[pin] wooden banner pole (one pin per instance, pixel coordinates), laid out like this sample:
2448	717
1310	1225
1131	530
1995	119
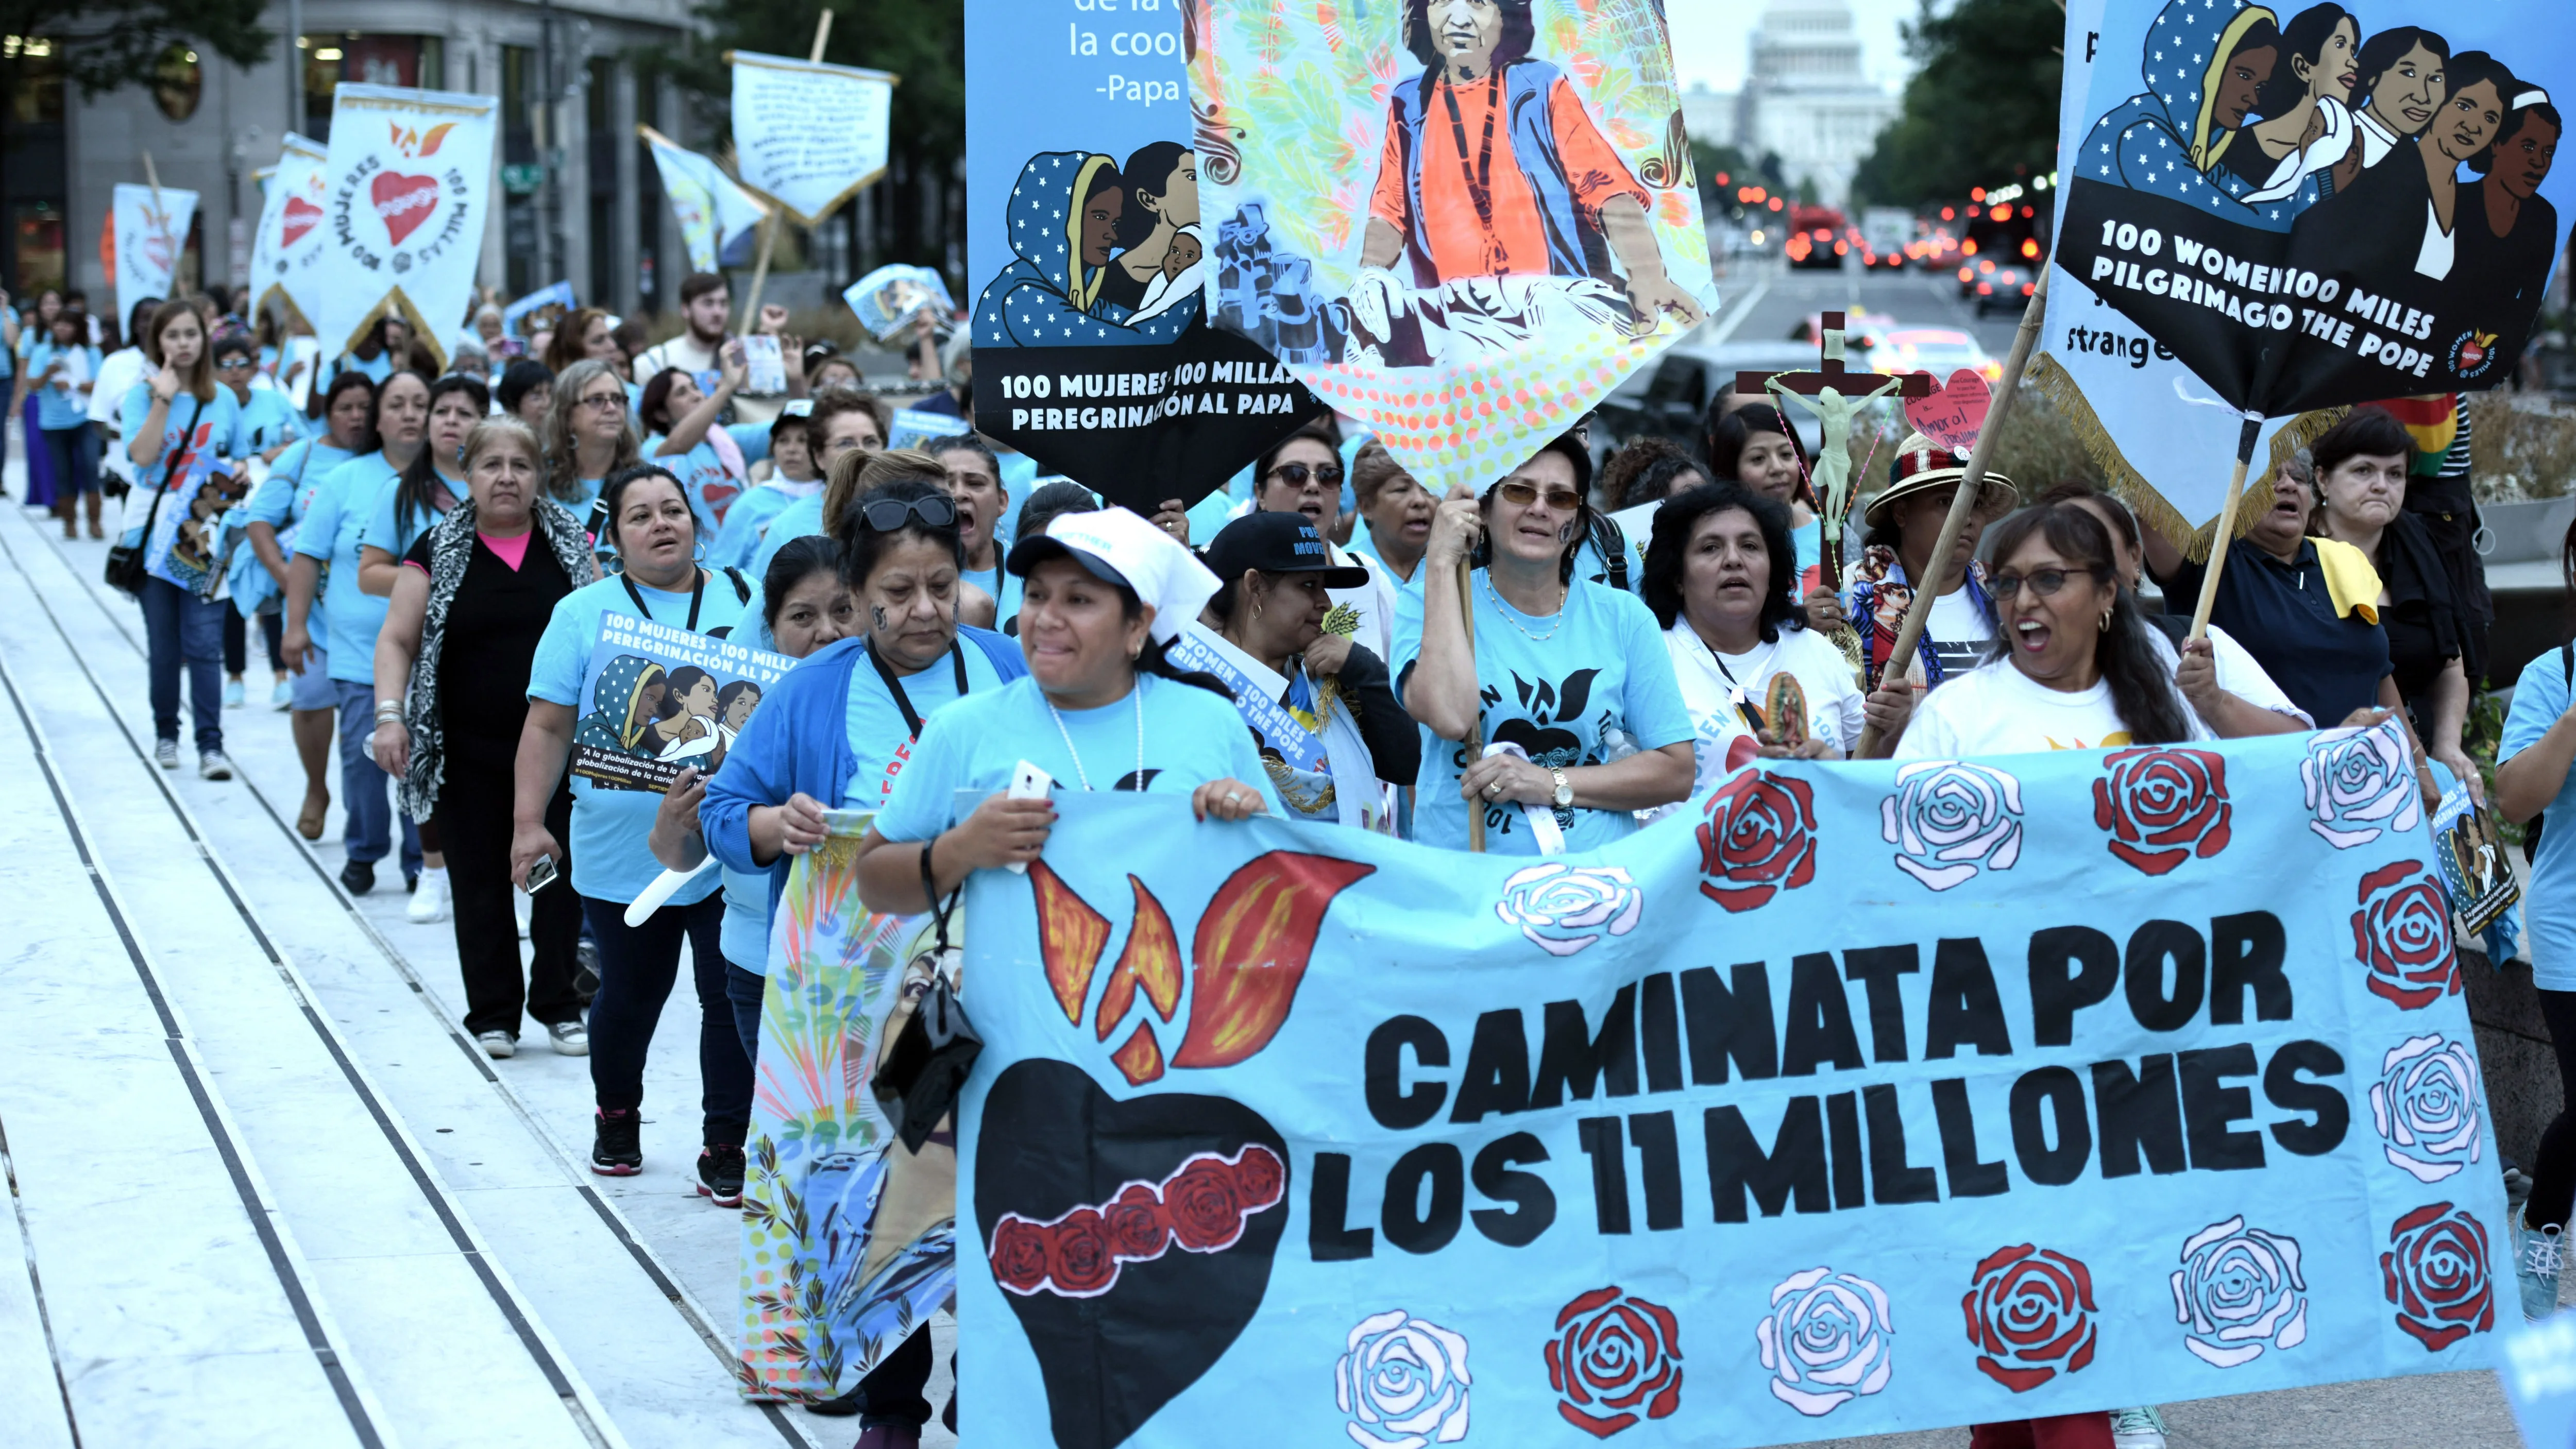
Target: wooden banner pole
1964	503
152	175
2226	529
1475	730
769	223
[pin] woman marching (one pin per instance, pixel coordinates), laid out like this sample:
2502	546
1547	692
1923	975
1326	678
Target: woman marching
589	433
276	510
1562	680
471	601
329	540
654	534
1904	523
1332	736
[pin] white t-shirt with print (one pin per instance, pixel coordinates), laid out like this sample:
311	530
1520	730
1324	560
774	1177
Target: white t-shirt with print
1959	632
1834	699
1995	709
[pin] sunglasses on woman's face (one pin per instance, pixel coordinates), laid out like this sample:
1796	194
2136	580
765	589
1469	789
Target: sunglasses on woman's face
885	515
1521	495
2043	582
1326	476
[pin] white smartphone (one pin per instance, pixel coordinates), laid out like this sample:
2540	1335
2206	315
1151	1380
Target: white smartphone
1028	782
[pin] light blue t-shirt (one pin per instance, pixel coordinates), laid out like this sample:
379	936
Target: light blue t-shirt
2549	902
334	525
1191	737
281	500
747	523
1555	686
1588	564
795	521
610	861
385	525
57	406
712	488
1000	582
380	367
1807	541
218	429
268	419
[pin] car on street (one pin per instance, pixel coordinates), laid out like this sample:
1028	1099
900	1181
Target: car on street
1939	351
2007	288
1671	398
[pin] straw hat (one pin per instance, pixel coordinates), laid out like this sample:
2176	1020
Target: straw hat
1922	465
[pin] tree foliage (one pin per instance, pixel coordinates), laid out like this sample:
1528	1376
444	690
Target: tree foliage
922	41
102	45
1981	109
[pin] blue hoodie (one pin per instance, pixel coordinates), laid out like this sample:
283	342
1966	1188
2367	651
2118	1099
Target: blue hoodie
1046	297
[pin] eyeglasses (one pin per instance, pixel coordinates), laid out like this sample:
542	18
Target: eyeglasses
1521	495
1296	475
228	364
2043	582
602	402
885	515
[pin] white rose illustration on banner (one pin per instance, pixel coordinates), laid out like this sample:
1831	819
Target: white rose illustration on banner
1827	1340
2360	785
2239	1292
1948	818
1403	1382
2425	1104
1564	908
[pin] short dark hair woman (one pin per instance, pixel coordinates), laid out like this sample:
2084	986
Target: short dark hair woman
1333	738
654	534
1716	582
471	600
1555	667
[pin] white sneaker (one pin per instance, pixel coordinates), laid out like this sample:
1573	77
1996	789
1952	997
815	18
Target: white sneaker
429	899
520	905
2138	1428
213	766
497	1045
165	753
571	1038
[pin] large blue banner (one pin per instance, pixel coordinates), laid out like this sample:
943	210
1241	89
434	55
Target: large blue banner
1860	1097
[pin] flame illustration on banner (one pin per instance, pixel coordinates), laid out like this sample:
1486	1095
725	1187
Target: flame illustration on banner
1247	958
417	144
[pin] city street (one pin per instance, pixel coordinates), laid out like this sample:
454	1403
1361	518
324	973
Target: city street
1763	301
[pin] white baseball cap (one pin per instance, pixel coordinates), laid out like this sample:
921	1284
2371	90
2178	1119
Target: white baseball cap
1119	547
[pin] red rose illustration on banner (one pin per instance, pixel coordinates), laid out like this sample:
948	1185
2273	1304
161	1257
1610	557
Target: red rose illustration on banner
2402	933
1258	1178
2162	806
1201	1205
1020	1255
1137	1231
2435	1271
1759	839
2030	1316
1614	1359
1080	1257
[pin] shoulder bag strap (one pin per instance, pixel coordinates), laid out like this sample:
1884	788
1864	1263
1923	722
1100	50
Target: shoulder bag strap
169	468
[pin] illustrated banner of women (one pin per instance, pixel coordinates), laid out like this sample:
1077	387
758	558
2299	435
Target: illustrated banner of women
808	135
1087	257
148	228
410	176
1461	221
848	1237
289	240
658	697
2305	208
1858	1098
714	212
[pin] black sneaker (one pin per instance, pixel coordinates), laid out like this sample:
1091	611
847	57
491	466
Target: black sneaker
357	877
720	1170
617	1145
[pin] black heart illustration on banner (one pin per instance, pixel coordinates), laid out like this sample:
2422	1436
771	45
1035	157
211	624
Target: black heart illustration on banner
1111	1361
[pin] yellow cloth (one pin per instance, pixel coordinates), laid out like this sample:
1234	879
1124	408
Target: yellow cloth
2350	580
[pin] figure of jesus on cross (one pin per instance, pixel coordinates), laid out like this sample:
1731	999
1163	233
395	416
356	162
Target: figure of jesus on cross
1837	394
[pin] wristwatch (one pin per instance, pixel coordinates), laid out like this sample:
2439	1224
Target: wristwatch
1564	795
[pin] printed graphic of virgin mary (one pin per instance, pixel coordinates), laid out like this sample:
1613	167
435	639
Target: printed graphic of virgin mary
2205	67
1065	217
623	706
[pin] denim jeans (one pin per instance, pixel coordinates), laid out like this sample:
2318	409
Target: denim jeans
638	966
743	991
180	628
365	790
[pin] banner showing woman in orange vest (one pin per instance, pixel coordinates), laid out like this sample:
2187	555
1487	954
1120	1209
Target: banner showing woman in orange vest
1461	220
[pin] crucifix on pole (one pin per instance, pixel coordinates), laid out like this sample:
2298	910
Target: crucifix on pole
1836	393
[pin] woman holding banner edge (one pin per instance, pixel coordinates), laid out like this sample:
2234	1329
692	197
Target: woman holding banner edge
1549	743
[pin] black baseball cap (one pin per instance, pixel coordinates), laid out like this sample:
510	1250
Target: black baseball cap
1278	543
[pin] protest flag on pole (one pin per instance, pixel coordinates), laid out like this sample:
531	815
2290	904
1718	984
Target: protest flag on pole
714	210
147	230
409	174
290	236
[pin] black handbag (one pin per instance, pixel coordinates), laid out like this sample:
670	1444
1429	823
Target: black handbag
125	571
926	1068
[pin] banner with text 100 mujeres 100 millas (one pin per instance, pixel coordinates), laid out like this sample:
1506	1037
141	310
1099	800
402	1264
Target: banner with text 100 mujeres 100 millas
1857	1098
410	179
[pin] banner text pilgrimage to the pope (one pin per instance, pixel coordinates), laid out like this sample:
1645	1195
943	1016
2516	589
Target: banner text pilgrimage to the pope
1864	1097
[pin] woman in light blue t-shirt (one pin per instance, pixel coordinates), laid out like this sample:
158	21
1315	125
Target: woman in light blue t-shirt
655	536
1565	681
712	460
2531	789
261	572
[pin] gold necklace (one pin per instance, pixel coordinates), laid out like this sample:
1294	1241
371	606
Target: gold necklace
1507	611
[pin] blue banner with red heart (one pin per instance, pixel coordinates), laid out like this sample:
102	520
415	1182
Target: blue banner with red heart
1856	1098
